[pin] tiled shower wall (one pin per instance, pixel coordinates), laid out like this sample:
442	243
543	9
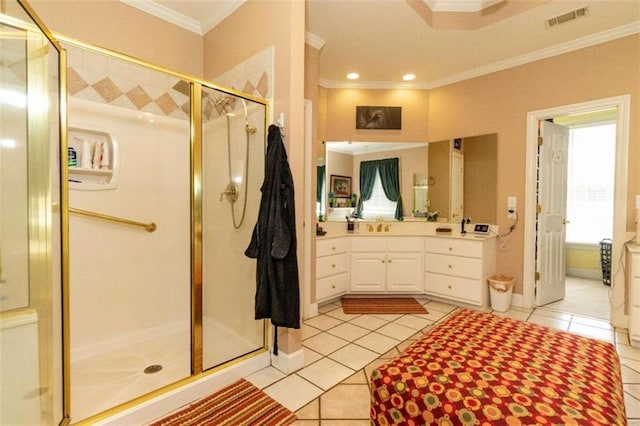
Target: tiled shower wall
100	78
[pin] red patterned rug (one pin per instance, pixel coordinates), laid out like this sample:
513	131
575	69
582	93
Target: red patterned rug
382	305
238	404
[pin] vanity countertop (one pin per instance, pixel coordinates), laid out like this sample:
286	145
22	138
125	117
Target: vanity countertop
401	229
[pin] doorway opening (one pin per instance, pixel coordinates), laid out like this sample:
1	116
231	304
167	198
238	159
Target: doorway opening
589	213
532	288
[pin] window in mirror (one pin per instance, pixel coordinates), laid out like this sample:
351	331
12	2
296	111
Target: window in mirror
378	206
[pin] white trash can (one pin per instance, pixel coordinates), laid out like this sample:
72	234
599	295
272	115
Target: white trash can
500	289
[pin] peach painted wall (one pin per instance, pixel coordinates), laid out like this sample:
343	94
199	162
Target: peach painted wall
499	103
341	114
116	26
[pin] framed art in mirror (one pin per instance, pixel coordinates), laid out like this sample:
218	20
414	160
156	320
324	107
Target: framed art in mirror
340	186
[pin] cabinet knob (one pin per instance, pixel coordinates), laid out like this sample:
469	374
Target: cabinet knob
333	248
389	261
450	248
450	287
382	260
333	265
333	286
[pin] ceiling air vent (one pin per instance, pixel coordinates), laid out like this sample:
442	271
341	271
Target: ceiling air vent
566	17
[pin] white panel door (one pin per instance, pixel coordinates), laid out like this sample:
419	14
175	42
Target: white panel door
552	199
457	186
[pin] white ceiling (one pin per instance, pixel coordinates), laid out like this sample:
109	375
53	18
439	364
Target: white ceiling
384	39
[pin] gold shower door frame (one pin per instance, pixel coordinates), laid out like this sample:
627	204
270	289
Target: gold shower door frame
43	134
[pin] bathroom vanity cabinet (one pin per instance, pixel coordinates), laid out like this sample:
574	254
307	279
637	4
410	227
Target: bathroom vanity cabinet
332	266
458	269
634	294
386	264
450	268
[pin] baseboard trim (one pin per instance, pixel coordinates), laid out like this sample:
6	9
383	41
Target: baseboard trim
288	363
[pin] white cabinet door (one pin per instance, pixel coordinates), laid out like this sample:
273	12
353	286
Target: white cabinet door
368	271
404	272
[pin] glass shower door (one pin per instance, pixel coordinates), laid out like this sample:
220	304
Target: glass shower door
233	149
30	255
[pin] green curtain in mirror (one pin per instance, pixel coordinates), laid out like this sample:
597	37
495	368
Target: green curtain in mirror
390	178
321	172
368	170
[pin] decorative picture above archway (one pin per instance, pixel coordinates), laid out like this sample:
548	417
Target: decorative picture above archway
378	117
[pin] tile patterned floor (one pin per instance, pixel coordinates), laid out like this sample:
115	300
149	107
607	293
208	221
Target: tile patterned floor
341	350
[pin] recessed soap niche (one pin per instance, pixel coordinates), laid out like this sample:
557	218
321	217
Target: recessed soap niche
93	158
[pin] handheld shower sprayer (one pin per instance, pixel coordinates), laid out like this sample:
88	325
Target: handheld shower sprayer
247	127
232	190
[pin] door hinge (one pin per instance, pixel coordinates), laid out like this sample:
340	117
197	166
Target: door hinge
538	208
540	140
537	276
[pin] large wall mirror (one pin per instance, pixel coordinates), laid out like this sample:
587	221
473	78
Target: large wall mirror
444	180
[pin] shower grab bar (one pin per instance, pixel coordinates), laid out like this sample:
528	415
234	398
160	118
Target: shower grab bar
149	227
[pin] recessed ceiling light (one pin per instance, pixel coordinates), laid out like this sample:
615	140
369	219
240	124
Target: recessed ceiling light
408	77
353	76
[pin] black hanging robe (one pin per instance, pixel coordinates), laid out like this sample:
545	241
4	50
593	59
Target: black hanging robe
273	242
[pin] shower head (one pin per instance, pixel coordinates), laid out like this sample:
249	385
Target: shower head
224	104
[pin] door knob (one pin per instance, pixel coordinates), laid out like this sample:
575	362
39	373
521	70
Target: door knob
565	221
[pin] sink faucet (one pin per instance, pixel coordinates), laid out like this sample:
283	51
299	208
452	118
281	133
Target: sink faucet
464	220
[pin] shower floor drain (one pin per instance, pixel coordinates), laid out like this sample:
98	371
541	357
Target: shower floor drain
152	369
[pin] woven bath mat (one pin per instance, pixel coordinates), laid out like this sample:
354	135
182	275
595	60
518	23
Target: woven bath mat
382	305
238	404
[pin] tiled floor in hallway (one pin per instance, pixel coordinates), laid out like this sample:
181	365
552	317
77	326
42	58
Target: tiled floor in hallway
341	350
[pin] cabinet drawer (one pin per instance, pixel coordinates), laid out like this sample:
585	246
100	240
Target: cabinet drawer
368	244
330	265
332	286
404	244
453	246
453	265
470	291
331	246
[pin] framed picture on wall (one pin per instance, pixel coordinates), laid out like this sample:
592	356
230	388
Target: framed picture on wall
340	186
378	117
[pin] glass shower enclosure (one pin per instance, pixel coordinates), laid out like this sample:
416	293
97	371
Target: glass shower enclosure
128	195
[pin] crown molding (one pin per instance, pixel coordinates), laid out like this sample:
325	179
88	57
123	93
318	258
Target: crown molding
166	14
224	9
332	84
313	40
580	43
460	5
